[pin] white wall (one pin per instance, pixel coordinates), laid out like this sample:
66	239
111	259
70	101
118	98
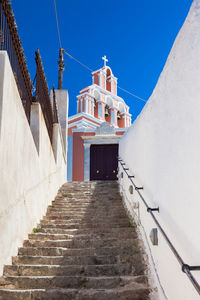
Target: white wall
62	100
30	171
162	150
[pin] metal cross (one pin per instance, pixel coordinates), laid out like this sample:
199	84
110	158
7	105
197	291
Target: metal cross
105	60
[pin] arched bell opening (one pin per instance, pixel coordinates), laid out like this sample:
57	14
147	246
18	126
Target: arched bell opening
108	80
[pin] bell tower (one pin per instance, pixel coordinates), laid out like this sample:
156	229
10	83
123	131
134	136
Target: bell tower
100	100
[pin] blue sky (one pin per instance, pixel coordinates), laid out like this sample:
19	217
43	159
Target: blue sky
135	35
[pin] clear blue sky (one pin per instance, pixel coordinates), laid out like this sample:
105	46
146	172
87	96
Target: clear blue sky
135	35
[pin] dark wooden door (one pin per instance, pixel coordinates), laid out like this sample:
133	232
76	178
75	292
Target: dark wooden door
103	162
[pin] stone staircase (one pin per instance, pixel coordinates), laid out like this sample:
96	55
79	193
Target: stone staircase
85	248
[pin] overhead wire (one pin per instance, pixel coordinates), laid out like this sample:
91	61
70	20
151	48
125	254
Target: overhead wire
85	66
78	61
82	64
132	94
57	24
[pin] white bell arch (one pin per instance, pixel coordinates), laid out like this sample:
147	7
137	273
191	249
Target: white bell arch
109	101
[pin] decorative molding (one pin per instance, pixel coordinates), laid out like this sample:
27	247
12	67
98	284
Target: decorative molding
89	117
95	140
105	129
104	91
84	129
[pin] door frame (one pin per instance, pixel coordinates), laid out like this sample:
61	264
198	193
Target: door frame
91	140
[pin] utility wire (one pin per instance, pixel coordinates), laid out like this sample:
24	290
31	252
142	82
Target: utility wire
57	24
83	65
131	94
78	61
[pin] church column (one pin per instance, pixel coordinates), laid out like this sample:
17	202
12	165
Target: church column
93	108
104	80
113	119
87	162
90	109
81	109
77	106
100	111
111	84
86	104
100	81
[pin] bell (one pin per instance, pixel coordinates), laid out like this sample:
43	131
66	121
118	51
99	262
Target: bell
106	112
118	116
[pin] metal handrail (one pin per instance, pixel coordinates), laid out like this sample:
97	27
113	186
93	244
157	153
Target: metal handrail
185	267
10	42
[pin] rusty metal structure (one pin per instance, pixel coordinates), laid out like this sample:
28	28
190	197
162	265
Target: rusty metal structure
42	94
55	108
61	68
10	42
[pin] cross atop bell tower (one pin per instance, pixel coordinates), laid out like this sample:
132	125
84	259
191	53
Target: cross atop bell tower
105	60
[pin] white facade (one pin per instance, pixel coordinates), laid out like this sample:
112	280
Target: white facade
31	169
162	150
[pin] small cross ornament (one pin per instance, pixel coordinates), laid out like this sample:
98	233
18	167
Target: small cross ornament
105	60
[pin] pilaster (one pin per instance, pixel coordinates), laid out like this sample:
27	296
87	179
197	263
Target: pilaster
87	162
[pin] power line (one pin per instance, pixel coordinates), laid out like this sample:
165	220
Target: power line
78	61
57	24
131	94
83	65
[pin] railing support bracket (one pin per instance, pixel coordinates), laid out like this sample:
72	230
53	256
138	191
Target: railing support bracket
139	188
186	267
153	209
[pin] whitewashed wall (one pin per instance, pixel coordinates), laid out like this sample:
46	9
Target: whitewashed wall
30	170
162	149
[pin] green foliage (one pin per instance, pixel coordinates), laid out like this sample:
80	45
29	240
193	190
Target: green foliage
35	230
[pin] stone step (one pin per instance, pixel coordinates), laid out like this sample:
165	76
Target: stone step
81	209
69	225
87	212
73	243
90	215
57	236
91	196
77	282
89	205
87	218
84	207
90	231
71	270
137	291
114	197
64	260
60	251
85	248
75	260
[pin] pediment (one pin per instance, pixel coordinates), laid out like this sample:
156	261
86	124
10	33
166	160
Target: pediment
105	129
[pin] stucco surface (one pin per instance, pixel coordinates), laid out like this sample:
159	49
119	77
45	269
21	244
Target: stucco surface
162	151
30	175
